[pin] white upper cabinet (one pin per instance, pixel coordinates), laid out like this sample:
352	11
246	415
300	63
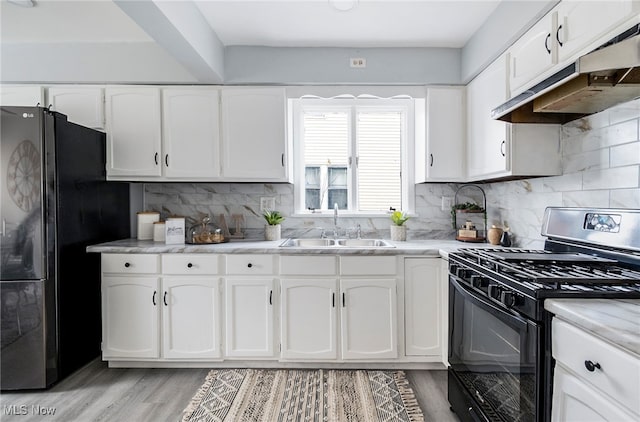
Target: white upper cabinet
533	54
497	149
190	133
581	23
254	139
82	105
22	95
486	143
133	132
441	156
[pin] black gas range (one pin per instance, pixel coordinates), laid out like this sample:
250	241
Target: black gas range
501	367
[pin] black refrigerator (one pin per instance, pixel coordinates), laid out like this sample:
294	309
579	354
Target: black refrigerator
54	202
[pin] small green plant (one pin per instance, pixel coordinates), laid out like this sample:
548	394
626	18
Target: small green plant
399	217
469	206
273	218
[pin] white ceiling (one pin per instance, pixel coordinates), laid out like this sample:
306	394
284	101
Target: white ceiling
293	23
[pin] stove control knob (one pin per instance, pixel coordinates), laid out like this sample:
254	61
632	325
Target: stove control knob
494	291
463	273
479	281
508	298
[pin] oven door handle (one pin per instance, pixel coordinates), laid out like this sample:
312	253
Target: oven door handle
507	317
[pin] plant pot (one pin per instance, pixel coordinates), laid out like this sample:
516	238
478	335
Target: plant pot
272	232
398	233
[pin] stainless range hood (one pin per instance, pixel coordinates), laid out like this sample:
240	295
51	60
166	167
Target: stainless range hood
601	79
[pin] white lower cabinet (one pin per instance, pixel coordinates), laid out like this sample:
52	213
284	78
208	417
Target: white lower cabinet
199	307
308	321
190	317
368	319
594	380
424	302
130	317
249	304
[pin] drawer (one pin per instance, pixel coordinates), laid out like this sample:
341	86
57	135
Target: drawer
126	263
308	265
619	370
368	265
250	264
184	264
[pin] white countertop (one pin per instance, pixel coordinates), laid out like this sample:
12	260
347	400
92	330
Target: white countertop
616	320
416	247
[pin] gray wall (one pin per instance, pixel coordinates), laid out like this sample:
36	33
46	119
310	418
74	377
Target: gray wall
601	168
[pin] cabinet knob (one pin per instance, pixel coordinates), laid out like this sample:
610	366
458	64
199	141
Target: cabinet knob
189	265
127	265
249	265
591	366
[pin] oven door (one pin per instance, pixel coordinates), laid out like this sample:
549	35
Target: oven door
494	358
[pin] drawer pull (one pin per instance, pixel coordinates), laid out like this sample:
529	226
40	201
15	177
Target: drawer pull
127	265
591	366
249	265
189	265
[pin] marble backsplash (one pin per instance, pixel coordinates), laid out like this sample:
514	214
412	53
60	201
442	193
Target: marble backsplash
601	168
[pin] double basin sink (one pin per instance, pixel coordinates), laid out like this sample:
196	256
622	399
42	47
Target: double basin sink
336	243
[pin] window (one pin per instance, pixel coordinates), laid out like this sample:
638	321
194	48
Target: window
352	152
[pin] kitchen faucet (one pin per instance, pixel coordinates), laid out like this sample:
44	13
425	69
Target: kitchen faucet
335	214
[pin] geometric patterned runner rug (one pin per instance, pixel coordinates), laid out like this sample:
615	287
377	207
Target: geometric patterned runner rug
277	395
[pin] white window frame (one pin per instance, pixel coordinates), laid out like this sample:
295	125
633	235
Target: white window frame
407	148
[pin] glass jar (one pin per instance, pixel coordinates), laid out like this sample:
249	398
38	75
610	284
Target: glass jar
205	232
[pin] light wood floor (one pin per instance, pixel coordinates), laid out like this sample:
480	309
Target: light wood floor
100	394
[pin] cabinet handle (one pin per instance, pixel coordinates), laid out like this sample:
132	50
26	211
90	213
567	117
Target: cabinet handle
558	35
164	299
591	366
127	265
431	157
166	160
546	43
333	300
502	149
249	265
189	265
270	297
282	159
343	300
153	298
155	158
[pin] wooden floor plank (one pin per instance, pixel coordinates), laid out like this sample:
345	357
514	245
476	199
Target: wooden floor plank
97	393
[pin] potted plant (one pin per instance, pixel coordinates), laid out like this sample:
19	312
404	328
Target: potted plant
272	228
398	229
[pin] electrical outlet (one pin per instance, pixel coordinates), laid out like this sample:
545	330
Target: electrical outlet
358	62
267	203
447	203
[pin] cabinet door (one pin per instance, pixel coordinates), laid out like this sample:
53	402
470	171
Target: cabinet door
368	319
445	135
488	145
254	141
191	317
249	317
82	105
23	96
580	23
533	54
575	401
133	132
130	317
423	307
309	319
190	130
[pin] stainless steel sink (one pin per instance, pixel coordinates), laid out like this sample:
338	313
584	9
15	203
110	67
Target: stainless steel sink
308	243
336	243
366	243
